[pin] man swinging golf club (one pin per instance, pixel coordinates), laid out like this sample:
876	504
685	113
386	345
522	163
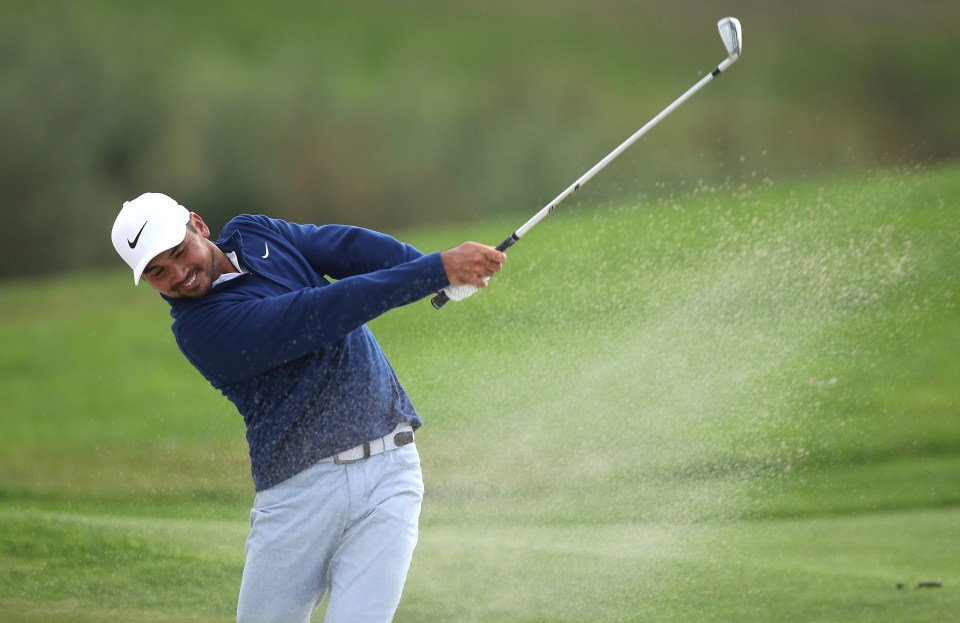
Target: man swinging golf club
273	315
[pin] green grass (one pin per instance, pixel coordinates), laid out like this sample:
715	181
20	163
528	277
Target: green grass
740	404
829	569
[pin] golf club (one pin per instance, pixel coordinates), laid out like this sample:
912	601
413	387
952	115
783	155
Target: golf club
732	36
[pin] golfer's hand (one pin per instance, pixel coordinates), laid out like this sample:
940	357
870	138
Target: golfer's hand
472	264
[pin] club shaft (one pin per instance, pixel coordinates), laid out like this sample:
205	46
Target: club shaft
441	298
550	207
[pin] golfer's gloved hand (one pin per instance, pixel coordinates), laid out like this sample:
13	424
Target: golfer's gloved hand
469	268
458	293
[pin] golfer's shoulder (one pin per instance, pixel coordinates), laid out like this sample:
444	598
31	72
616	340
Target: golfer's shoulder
248	222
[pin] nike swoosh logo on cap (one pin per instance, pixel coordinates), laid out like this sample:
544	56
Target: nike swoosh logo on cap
133	243
267	251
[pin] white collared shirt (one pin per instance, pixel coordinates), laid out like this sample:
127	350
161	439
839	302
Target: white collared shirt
225	277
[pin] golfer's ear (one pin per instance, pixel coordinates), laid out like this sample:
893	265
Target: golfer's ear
199	224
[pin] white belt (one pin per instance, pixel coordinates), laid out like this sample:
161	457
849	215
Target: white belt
401	436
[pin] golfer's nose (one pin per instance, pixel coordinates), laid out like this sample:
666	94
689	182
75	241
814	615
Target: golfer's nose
180	272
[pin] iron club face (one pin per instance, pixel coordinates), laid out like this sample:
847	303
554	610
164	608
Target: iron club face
732	36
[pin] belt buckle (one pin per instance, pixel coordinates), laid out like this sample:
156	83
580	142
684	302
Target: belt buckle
366	455
403	438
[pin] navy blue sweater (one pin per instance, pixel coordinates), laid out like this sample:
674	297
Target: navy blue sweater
290	348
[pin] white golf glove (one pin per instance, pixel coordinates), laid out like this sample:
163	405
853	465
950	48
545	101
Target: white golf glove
458	293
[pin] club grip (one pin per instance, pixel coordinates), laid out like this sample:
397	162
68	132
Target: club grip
439	300
508	242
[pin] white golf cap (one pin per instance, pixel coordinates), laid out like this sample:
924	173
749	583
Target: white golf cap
146	227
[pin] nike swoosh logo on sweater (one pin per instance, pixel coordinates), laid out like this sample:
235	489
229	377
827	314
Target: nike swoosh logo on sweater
267	251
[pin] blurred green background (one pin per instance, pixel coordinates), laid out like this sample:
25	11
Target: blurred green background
388	114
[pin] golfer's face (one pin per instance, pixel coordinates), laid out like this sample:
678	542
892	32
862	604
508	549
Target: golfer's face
186	270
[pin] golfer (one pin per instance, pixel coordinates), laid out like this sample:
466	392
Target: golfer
273	315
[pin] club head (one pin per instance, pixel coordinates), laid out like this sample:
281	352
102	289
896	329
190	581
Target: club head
732	36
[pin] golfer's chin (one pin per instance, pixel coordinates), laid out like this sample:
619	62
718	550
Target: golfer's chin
190	294
200	287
